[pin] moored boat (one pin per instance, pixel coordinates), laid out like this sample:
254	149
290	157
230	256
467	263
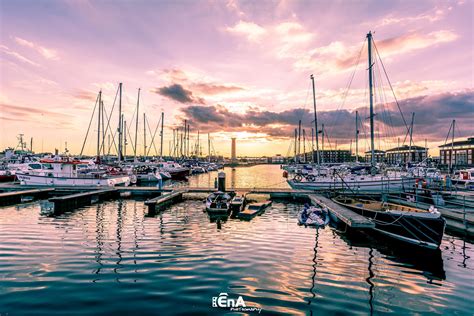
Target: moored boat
219	202
412	225
464	178
375	183
237	204
65	173
253	209
313	216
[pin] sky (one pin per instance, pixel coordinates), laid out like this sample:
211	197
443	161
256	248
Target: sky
235	69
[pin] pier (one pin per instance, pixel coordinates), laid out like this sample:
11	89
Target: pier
161	202
459	213
350	218
72	201
15	197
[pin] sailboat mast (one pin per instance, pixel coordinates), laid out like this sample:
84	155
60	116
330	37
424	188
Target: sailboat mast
98	125
144	135
299	141
322	139
161	134
120	134
296	135
315	121
411	137
103	128
209	147
312	145
371	100
124	124
136	126
452	148
357	137
304	145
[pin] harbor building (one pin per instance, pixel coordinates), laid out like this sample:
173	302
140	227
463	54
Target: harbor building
277	159
379	155
404	154
458	153
331	156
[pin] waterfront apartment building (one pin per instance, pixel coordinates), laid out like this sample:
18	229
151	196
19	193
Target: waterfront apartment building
404	154
459	153
379	155
332	156
276	159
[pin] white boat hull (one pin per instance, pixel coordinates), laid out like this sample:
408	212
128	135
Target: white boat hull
378	185
28	179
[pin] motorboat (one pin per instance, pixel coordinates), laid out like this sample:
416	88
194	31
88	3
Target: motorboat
464	178
412	225
237	204
64	172
313	216
6	174
253	209
219	202
147	174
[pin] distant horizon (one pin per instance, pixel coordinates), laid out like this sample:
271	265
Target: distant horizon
235	69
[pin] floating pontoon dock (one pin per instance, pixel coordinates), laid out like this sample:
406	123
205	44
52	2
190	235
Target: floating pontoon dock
9	198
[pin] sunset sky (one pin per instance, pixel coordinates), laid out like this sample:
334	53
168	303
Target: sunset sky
234	69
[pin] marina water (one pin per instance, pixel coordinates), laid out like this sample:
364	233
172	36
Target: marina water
111	258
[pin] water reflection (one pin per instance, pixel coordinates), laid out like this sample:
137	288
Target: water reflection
313	278
99	222
181	257
429	262
369	281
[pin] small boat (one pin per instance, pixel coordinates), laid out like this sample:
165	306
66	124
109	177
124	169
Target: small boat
198	170
165	175
147	174
6	175
412	225
219	202
464	179
253	209
313	216
237	204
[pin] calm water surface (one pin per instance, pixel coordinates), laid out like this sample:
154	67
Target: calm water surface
259	176
112	258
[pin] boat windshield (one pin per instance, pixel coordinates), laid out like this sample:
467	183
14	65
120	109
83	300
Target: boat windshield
254	207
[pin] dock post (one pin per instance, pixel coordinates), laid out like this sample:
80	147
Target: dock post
221	181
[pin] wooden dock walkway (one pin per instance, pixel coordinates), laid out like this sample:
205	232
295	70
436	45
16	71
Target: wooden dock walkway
161	202
351	218
15	197
72	201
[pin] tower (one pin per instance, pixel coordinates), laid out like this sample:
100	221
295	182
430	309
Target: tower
233	151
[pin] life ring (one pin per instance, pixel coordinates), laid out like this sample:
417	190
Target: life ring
310	178
298	178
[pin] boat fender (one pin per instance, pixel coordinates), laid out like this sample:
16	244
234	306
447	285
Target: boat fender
285	174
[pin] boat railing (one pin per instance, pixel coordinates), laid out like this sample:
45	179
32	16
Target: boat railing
462	205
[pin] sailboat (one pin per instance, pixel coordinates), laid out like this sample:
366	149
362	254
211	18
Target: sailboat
387	181
416	226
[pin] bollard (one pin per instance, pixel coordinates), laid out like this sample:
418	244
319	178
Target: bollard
221	181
